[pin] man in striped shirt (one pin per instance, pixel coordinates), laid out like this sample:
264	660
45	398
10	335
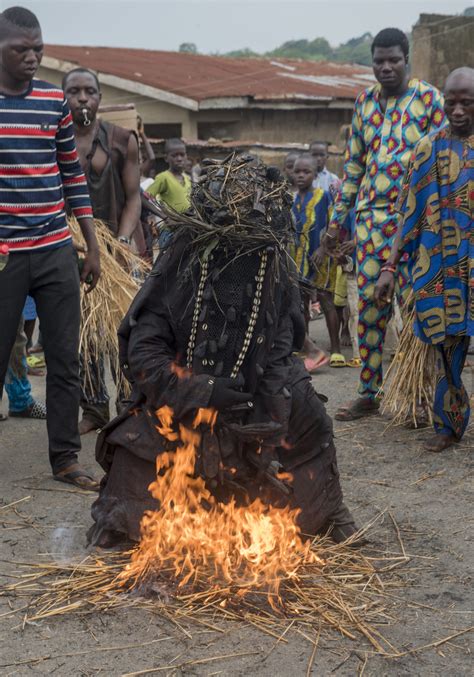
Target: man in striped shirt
39	170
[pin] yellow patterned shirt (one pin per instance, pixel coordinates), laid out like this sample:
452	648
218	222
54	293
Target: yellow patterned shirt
377	155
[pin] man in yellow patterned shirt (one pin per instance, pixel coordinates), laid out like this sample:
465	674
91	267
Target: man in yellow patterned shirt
389	119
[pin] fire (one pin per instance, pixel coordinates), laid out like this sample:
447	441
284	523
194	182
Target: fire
206	543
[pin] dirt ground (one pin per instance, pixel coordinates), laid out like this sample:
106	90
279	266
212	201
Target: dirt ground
384	472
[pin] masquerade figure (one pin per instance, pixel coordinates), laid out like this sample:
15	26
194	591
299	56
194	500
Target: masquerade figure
215	326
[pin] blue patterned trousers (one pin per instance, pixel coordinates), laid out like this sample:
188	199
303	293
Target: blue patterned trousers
451	403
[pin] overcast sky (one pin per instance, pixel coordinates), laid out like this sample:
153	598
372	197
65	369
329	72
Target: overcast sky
222	25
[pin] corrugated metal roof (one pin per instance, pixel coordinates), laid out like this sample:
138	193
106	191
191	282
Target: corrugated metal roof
200	77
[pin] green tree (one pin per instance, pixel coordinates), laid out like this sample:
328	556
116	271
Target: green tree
242	53
188	48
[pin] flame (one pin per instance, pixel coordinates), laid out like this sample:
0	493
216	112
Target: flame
204	542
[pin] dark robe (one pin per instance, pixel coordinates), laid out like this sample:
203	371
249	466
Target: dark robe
285	416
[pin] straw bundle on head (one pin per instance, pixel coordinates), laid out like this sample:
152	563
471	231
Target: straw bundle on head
239	201
410	377
105	307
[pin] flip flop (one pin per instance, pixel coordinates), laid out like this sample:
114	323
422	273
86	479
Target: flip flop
35	362
73	476
337	360
356	363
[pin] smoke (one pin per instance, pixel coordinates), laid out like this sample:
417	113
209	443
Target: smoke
66	543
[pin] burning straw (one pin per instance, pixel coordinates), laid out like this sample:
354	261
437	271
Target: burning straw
200	560
105	307
410	377
339	589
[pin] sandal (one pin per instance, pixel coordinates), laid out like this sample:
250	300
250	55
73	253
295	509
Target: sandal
35	362
337	360
74	474
36	410
364	406
355	362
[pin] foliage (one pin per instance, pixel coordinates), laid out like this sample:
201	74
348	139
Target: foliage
316	49
242	53
188	48
355	50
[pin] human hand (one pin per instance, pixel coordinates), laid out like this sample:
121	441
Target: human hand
330	239
384	289
318	256
90	272
347	248
226	393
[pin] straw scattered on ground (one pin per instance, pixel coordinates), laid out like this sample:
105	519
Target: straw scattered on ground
347	594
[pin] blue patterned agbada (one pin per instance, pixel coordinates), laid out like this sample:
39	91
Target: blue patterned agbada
438	235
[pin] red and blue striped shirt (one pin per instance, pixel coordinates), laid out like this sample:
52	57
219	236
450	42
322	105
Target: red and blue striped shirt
39	169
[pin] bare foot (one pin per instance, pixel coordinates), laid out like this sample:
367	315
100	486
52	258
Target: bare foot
34	371
439	443
87	426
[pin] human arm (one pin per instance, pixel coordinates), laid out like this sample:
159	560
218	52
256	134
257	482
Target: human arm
77	195
354	171
159	186
149	153
151	365
90	272
130	216
385	285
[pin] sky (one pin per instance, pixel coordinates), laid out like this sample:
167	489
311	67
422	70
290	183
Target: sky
217	26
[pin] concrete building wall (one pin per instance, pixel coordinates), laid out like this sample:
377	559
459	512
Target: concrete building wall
440	44
272	125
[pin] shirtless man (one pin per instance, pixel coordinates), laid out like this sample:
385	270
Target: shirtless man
110	160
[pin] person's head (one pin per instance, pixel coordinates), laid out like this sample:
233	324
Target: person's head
390	59
82	90
175	155
459	100
304	171
319	151
289	164
21	45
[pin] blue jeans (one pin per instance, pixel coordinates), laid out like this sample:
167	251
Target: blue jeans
17	384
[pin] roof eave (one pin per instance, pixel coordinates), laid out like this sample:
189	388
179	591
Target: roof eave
128	85
285	102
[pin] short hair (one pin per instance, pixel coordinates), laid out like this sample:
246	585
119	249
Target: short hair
85	71
18	17
291	154
307	156
391	37
173	143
